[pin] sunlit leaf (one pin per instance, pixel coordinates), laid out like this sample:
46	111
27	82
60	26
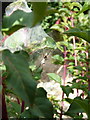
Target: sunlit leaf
85	7
18	17
49	43
55	77
22	18
57	59
24	37
77	4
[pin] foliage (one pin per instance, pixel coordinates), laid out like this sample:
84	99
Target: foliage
20	75
79	33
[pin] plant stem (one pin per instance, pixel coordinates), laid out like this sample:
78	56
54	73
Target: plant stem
0	98
74	46
18	101
22	106
82	74
75	53
74	42
88	70
4	108
64	80
88	76
88	87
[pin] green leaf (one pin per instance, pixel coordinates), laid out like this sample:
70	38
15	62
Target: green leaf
56	27
80	48
67	90
80	68
57	59
16	107
71	64
26	114
42	106
49	43
19	76
71	57
78	106
22	18
80	86
41	93
32	67
77	4
51	11
60	11
37	73
12	29
79	33
39	9
18	17
85	7
68	100
65	43
65	10
54	77
80	77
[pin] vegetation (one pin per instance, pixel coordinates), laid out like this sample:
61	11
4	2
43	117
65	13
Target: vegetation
69	24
